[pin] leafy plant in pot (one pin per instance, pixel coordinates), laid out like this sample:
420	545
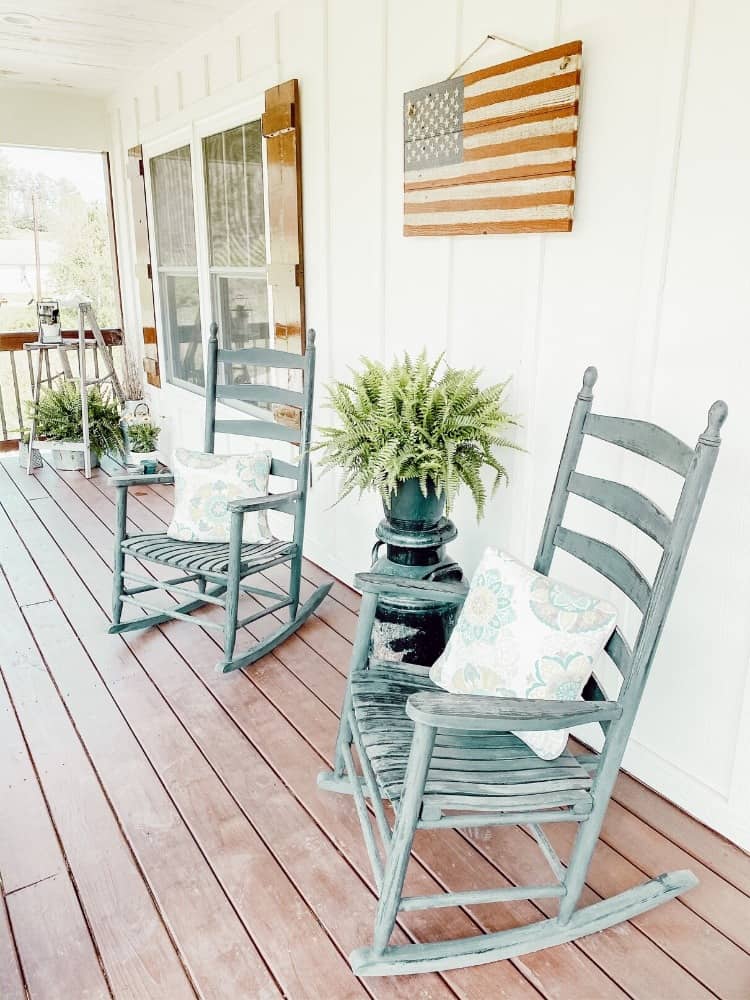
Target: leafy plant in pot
142	436
417	432
58	416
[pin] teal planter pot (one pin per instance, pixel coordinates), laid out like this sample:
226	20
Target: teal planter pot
410	510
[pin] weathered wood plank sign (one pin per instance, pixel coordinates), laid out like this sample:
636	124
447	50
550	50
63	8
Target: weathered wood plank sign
494	151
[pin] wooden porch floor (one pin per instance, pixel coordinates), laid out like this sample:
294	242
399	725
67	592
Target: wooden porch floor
162	834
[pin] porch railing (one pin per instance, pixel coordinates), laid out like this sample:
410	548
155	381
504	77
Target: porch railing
16	376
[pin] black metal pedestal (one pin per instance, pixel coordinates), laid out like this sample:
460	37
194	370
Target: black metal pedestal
408	630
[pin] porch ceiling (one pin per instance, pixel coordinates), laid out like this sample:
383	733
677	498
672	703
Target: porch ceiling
90	44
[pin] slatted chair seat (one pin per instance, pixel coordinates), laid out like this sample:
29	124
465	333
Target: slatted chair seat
495	772
208	558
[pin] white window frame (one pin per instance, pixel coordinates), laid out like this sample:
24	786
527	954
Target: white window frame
172	140
192	136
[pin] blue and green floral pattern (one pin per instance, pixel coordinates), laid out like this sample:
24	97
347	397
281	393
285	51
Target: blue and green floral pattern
522	635
206	484
487	608
568	610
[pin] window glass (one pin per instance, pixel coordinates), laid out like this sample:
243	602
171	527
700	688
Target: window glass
234	194
235	208
174	225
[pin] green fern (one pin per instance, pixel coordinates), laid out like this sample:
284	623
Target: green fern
410	422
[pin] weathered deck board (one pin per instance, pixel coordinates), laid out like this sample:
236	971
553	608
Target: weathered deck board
53	941
244	750
11	978
135	949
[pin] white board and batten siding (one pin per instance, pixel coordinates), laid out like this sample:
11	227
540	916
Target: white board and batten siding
650	286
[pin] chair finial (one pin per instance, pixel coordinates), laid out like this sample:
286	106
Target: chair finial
589	381
311	337
214	331
717	414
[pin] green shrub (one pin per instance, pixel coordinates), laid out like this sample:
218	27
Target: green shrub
58	416
407	422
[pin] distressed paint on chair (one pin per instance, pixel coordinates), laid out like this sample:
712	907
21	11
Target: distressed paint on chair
451	761
227	565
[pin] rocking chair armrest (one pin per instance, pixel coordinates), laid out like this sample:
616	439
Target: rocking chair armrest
267	502
156	479
487	713
381	583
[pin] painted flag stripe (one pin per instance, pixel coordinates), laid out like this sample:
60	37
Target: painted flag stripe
541	71
532	165
558	52
522	105
466	205
490	228
546	86
526	130
492	215
533	144
526	118
500	188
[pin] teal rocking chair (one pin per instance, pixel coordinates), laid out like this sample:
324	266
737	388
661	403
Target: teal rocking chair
451	761
219	570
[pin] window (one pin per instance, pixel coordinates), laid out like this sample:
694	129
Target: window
235	210
227	218
55	239
177	265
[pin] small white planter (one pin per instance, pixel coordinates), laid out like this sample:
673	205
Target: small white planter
70	456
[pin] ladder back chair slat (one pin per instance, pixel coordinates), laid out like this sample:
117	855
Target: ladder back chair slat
284	469
608	561
247	393
623	501
619	652
262	357
265	429
645	439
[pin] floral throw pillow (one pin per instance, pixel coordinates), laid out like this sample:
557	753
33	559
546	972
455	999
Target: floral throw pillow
204	486
523	635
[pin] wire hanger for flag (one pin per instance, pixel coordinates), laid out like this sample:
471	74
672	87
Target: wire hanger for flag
488	38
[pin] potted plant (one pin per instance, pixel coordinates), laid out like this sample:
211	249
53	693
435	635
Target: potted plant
142	436
58	416
416	432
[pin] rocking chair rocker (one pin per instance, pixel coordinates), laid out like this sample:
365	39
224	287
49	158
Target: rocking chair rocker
226	566
451	761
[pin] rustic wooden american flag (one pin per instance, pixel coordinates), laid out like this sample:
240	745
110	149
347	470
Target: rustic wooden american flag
494	151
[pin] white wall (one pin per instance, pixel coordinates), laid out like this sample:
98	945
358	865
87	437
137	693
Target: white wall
56	118
650	286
